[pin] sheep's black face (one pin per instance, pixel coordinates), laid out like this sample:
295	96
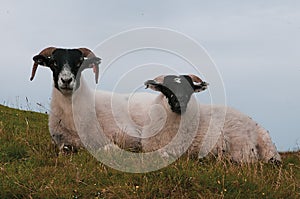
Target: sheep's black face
177	89
66	66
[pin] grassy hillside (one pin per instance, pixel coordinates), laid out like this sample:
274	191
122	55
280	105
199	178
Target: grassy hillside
31	168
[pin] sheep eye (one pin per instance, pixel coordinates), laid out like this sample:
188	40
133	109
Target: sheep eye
54	63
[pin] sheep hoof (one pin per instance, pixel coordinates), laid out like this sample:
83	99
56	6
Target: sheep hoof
68	149
275	162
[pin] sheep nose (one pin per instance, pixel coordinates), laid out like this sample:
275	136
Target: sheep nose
66	80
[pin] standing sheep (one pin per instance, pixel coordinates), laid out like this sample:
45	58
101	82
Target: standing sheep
240	138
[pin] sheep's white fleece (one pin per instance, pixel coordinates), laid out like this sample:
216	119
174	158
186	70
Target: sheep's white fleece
93	116
240	138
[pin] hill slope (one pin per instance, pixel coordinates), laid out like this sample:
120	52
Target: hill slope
31	168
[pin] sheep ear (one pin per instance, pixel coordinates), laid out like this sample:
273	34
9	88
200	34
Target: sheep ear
200	87
153	85
199	84
93	62
41	60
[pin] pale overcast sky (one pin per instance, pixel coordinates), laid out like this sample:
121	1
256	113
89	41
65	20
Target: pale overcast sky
255	45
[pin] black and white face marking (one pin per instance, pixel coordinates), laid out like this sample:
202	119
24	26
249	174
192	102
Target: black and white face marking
66	80
178	90
65	65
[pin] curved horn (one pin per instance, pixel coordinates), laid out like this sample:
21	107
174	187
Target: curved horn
89	54
47	52
196	78
160	79
200	84
153	83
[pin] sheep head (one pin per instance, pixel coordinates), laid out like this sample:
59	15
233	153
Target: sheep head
177	89
66	66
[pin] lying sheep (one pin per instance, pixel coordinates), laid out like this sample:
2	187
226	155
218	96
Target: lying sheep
73	103
240	138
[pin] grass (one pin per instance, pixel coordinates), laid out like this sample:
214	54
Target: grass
30	167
